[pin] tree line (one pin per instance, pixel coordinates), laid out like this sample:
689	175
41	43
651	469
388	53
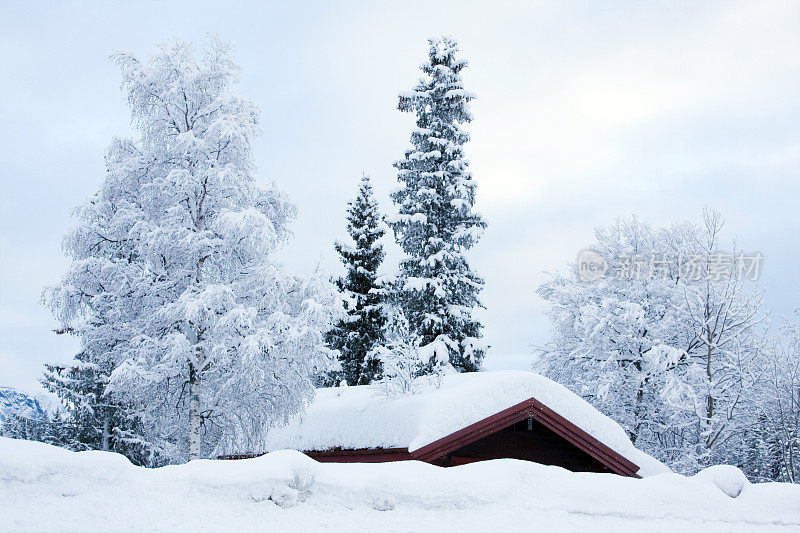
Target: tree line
674	343
194	339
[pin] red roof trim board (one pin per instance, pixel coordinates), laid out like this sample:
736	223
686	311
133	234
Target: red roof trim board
541	413
473	432
530	408
560	425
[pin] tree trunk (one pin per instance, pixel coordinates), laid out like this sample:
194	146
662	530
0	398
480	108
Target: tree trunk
106	432
194	415
638	409
637	414
710	398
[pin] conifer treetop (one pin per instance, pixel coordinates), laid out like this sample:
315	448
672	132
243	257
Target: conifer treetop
356	335
436	223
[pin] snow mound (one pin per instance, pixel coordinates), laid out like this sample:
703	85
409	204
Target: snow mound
284	496
726	478
364	417
43	488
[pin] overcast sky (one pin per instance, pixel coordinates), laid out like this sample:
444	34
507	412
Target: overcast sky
586	112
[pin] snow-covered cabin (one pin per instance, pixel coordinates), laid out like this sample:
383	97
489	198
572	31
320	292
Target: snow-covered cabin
461	419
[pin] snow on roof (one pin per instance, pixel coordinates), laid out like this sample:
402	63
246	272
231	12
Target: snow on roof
364	417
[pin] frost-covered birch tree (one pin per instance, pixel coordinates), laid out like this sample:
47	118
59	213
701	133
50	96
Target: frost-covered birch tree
664	353
358	333
726	328
173	278
436	223
609	336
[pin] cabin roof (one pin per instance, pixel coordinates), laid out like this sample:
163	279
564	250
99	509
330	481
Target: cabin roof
448	410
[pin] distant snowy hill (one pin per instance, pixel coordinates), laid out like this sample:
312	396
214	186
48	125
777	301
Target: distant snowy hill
14	402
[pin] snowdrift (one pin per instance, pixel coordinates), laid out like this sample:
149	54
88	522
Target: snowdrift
363	417
43	488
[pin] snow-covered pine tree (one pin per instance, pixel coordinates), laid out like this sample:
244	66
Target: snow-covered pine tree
436	224
96	421
172	279
51	429
357	334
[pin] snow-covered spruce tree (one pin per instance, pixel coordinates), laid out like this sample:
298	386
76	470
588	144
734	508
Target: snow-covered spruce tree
357	334
172	279
51	429
96	422
436	224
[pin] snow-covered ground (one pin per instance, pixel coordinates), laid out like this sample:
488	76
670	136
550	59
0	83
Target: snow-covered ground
43	488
